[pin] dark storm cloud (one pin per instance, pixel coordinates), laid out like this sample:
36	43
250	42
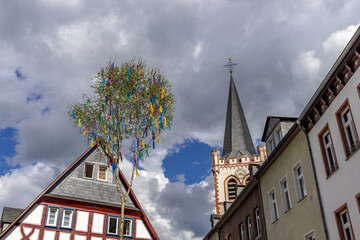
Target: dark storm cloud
283	50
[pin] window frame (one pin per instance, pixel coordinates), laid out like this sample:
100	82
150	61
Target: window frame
231	179
98	173
278	136
71	218
326	161
339	222
92	174
271	145
358	200
297	178
310	235
343	133
117	224
131	228
272	202
283	194
257	221
242	231
249	227
56	223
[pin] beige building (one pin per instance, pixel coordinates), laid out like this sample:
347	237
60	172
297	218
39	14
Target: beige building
288	187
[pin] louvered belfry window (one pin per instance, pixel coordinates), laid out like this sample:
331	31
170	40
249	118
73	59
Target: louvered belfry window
232	189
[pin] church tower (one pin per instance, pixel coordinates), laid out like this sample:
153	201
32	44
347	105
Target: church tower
231	170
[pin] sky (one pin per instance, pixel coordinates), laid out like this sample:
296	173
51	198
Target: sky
51	49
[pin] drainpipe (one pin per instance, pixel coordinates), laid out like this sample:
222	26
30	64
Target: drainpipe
316	181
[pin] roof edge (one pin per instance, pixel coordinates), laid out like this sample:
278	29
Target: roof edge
42	193
328	76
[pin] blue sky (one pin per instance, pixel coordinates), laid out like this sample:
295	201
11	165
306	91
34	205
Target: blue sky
7	148
50	50
190	164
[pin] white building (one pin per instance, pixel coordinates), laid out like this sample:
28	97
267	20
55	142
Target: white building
332	121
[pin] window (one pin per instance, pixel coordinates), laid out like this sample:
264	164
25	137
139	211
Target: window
248	221
127	227
67	218
257	222
327	151
52	216
242	232
285	195
88	170
271	146
102	173
273	206
347	129
310	236
344	223
299	182
113	225
278	136
232	189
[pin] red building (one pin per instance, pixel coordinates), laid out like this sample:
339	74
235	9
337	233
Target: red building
83	203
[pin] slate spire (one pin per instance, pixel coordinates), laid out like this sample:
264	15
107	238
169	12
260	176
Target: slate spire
237	138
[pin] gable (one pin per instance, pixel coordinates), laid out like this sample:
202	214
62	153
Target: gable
63	194
271	123
74	185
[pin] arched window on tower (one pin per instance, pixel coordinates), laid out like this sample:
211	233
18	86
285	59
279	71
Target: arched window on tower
232	189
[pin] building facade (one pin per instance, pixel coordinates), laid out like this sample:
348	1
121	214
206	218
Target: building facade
290	199
332	122
83	203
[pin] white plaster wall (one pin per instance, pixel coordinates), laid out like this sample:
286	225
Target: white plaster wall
98	223
16	234
96	238
82	220
35	235
49	235
64	236
13	235
141	230
80	237
342	186
34	215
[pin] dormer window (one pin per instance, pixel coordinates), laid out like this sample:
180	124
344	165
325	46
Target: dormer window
271	146
278	136
102	173
88	170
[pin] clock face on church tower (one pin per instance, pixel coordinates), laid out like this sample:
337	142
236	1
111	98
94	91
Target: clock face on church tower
240	173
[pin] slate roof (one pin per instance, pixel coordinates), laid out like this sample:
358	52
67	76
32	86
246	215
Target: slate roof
10	214
237	138
272	122
74	186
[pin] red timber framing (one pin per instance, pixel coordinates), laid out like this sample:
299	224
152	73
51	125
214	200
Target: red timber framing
89	207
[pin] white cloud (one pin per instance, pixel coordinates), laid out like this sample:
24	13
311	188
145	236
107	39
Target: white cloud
306	66
337	41
21	186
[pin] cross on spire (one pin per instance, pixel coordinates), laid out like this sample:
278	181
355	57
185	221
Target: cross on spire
230	65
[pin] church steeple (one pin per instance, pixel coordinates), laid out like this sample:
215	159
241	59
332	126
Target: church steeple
237	138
